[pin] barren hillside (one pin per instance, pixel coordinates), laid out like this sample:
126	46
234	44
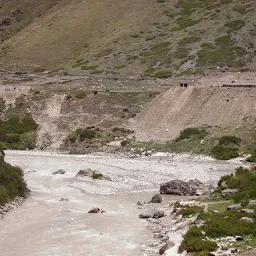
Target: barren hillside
119	38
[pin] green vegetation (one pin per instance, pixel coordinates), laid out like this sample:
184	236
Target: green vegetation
202	239
227	148
252	158
190	210
18	133
162	74
191	132
244	180
235	25
223	52
12	183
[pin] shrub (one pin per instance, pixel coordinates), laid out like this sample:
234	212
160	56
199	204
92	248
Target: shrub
163	74
12	183
194	241
190	132
252	158
124	143
227	140
224	153
87	134
80	95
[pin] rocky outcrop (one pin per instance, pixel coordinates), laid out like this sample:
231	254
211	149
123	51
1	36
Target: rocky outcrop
246	219
182	188
85	173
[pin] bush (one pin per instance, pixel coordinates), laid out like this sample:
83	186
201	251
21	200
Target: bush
12	183
224	153
228	140
80	95
190	132
87	134
252	158
194	241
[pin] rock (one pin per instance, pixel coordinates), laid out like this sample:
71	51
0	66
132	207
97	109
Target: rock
167	246
227	192
145	215
233	250
97	175
154	215
239	238
157	199
249	211
179	187
224	247
215	211
85	173
60	171
233	206
224	184
246	219
212	254
64	199
252	202
158	214
96	210
139	203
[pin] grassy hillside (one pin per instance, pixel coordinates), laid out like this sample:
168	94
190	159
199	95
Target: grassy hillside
155	38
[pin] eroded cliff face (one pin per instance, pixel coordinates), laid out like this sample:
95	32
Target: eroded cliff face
53	109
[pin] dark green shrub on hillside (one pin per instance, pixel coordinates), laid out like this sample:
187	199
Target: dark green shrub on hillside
12	183
252	158
87	134
16	125
227	140
194	241
224	153
191	132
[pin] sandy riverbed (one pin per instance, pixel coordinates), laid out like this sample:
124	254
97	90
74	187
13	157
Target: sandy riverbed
46	227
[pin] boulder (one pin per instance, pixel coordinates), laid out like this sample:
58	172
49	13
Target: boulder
154	215
239	238
227	192
96	210
85	173
60	171
224	247
252	202
158	214
139	203
145	215
246	219
233	250
167	246
233	206
179	187
156	199
249	211
64	199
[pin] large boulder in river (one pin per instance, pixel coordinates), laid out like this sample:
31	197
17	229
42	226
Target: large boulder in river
85	173
182	188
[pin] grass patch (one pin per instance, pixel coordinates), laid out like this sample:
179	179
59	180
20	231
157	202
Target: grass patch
189	40
235	25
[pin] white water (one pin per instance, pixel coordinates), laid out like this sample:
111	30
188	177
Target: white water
44	226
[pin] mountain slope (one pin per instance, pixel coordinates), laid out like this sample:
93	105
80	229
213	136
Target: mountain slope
149	38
